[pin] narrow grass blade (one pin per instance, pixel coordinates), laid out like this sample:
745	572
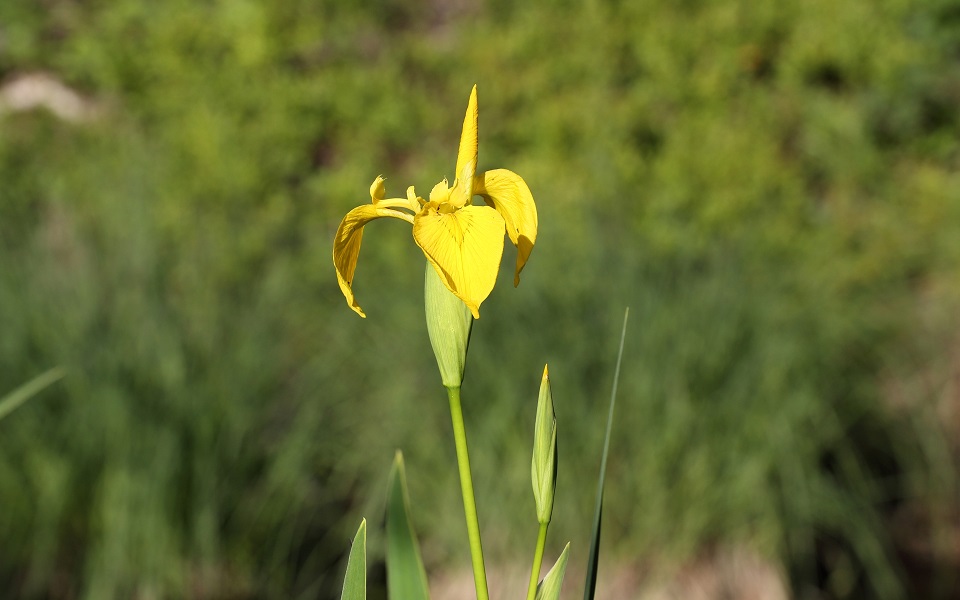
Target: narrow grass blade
549	588
23	393
406	577
590	587
355	581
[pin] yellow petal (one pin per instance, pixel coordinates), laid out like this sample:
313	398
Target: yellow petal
440	193
508	193
467	154
413	199
377	189
465	247
346	245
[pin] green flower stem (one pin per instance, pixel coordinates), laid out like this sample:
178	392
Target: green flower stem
537	561
466	489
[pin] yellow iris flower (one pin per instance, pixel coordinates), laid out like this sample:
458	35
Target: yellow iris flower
463	241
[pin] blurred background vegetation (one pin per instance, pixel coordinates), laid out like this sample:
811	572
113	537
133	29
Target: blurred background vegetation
772	186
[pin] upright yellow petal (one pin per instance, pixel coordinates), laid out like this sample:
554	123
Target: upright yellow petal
377	190
465	248
440	193
508	193
378	193
346	245
467	154
413	199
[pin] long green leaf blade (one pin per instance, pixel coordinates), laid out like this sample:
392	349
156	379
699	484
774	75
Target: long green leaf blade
23	393
406	577
549	588
355	581
590	587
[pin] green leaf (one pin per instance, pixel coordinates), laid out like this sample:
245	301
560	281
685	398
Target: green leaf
355	581
23	393
590	587
549	588
406	577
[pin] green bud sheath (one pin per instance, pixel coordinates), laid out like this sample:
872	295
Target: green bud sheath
448	323
544	465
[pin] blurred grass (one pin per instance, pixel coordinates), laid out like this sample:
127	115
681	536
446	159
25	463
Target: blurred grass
14	399
771	186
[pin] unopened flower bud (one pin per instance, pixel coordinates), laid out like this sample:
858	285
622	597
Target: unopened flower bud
544	464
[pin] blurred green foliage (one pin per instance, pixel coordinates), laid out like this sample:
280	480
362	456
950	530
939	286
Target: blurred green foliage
771	186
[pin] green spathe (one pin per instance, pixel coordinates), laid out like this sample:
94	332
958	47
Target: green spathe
543	468
448	323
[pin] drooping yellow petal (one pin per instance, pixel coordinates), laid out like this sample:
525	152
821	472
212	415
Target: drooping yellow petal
508	193
467	154
465	247
346	245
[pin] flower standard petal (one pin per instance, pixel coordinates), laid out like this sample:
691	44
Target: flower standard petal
413	199
346	245
508	193
377	190
467	153
465	247
440	193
